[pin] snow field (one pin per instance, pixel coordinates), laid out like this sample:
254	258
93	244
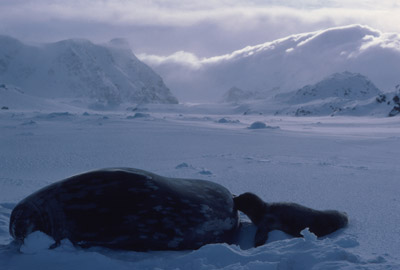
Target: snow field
343	163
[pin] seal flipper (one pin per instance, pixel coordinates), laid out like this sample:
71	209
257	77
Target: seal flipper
267	224
261	236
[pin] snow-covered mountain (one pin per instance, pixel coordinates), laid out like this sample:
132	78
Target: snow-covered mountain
342	93
109	74
343	86
392	99
286	64
335	94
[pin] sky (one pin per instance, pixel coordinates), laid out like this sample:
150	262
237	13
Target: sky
203	28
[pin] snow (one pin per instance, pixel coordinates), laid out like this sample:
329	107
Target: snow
343	93
285	64
108	74
343	85
36	242
307	253
345	163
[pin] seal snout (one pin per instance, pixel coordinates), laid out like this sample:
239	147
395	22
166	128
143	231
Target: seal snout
251	205
344	220
25	219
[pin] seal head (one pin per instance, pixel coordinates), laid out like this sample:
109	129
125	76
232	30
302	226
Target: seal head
290	218
25	219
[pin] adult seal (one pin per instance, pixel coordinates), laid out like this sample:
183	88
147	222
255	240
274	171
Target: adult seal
124	208
290	218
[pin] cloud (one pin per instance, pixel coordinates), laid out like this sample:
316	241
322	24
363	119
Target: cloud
181	57
206	28
183	13
361	38
385	40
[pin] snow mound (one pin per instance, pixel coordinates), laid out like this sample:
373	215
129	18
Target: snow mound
183	165
308	236
257	125
36	242
109	74
199	170
261	125
138	115
224	120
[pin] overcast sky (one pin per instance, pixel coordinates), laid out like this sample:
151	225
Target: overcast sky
205	27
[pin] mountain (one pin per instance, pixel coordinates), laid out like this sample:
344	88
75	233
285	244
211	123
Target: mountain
285	64
342	93
343	86
108	74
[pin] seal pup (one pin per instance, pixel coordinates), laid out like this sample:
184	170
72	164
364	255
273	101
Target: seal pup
131	209
290	218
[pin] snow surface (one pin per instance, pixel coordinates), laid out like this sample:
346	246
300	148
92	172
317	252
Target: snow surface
285	64
344	163
108	74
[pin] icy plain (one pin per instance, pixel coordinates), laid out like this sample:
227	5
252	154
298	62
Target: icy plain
345	163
